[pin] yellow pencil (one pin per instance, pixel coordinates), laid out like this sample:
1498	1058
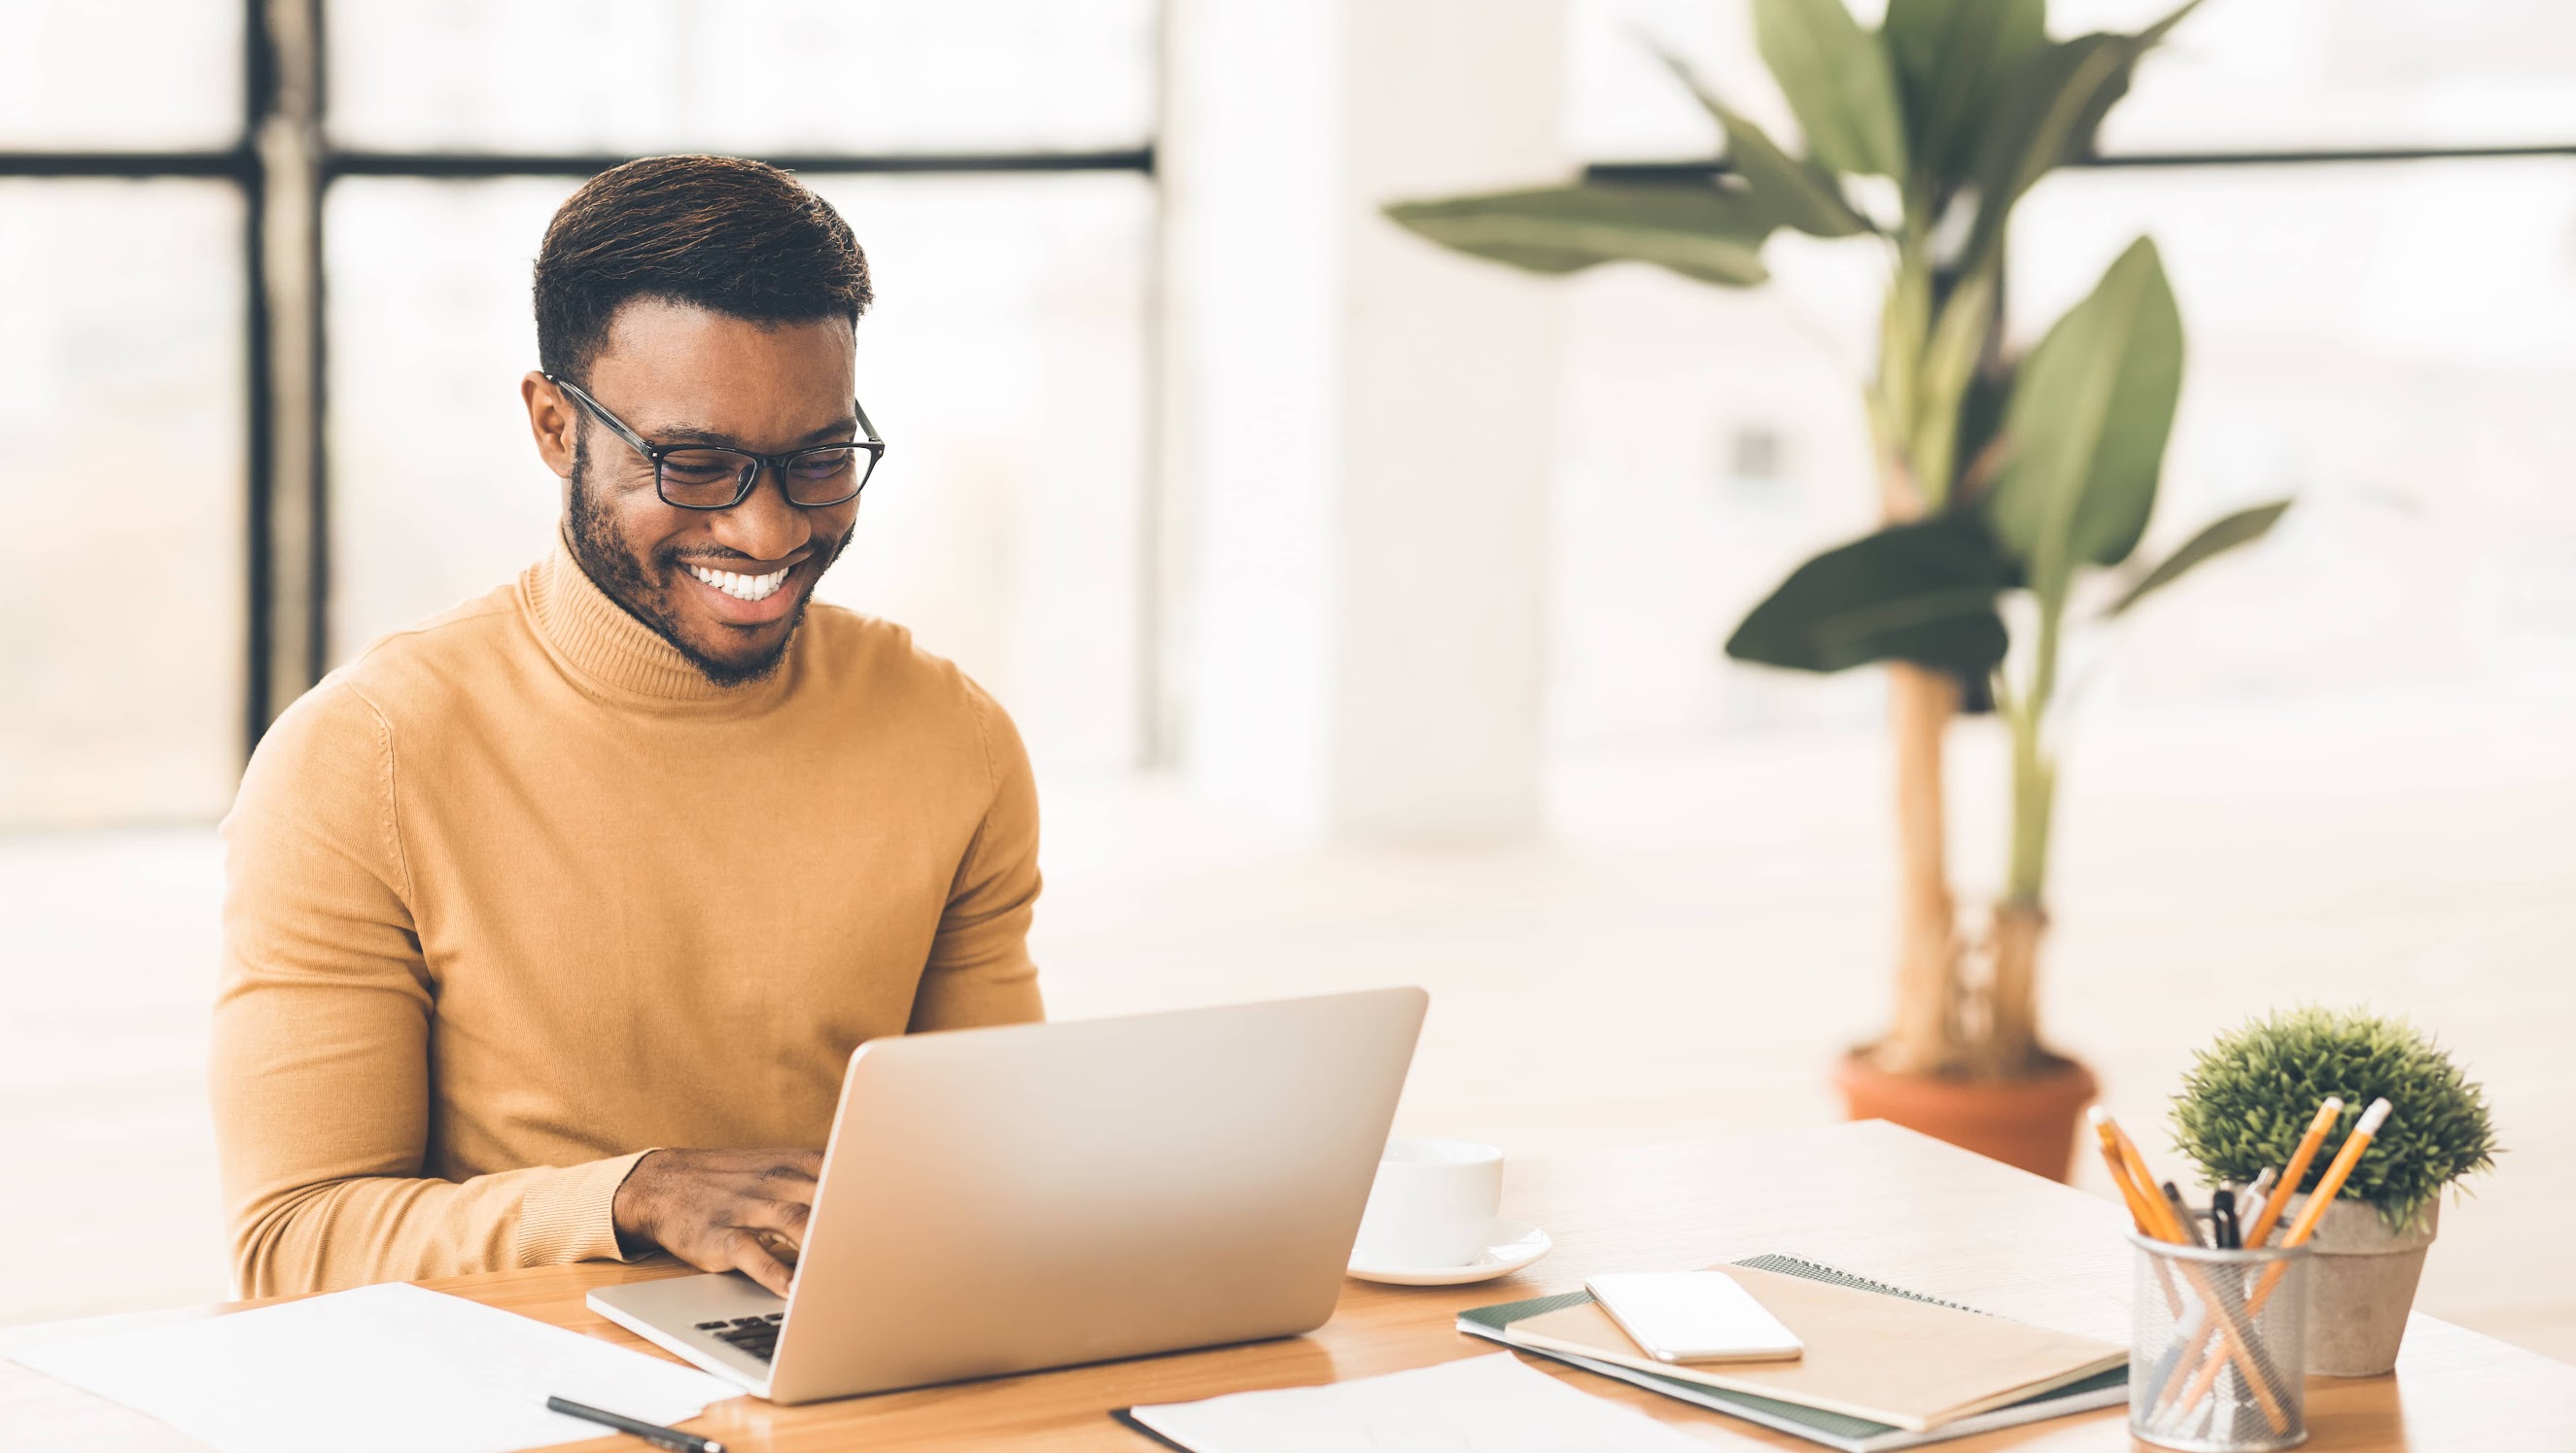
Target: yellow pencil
2168	1226
2301	1229
2120	1171
2336	1174
2160	1223
2291	1174
2268	1213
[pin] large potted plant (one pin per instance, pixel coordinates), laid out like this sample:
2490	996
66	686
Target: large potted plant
1997	475
2243	1107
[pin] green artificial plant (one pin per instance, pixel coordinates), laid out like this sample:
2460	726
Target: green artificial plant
2250	1095
1998	475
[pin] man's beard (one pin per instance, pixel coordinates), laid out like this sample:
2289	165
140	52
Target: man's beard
603	556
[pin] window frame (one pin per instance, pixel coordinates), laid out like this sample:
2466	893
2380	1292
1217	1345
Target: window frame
283	164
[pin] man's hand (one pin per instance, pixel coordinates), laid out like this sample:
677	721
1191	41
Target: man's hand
721	1210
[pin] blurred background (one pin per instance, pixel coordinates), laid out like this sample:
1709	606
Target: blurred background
1361	603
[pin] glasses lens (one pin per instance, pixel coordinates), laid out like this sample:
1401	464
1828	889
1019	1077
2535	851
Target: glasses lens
827	476
703	477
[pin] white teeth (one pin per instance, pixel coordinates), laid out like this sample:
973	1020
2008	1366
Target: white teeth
742	587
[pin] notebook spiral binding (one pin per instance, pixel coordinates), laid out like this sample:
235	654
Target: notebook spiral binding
1836	1276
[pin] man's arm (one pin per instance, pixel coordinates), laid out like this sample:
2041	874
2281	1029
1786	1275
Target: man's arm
320	1062
979	970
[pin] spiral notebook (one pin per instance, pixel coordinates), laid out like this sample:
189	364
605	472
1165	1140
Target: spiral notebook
1886	1379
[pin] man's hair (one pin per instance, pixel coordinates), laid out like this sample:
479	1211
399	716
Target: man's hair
716	232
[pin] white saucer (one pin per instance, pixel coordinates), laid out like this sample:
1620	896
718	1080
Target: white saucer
1510	1245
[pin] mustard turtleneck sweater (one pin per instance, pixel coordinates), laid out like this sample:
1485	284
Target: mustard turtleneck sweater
518	895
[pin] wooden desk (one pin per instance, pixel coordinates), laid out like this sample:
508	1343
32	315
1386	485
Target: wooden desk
1870	1198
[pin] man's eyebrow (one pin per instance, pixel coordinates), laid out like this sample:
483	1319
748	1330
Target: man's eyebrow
837	432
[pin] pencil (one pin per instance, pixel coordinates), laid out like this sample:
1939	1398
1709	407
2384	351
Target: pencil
2297	1170
2336	1174
2120	1172
2304	1227
2162	1225
2267	1210
2168	1227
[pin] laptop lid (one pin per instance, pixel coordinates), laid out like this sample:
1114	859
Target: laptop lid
1000	1200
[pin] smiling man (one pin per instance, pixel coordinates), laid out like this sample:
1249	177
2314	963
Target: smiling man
552	921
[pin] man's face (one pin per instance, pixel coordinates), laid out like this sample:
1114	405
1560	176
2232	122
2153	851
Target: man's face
677	374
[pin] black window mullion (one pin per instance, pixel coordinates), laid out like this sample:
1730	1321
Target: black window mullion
260	465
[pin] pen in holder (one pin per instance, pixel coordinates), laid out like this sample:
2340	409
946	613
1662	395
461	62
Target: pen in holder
2217	1345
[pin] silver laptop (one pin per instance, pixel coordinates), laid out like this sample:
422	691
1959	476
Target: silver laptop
999	1200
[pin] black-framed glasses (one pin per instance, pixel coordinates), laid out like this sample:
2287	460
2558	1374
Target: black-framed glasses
708	477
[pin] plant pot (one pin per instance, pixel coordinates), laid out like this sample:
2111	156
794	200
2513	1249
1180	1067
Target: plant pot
2361	1285
2027	1122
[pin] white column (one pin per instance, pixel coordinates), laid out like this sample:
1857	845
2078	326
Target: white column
1362	425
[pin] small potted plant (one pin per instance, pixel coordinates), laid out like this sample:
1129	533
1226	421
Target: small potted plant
2249	1097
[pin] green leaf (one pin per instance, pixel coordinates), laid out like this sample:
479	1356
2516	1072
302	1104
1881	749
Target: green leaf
2091	409
1953	59
1699	231
1838	81
1922	592
2048	113
1794	193
2038	123
2088	124
2215	538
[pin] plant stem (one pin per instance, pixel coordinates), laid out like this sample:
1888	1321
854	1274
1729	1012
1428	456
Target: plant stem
2034	770
2011	1044
1927	1035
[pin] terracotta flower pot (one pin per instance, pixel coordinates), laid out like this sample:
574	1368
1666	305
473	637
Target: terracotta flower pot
2361	1285
2027	1122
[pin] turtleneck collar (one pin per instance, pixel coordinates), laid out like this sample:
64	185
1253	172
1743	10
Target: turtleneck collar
619	657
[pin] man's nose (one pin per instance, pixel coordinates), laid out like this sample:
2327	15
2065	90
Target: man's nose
765	526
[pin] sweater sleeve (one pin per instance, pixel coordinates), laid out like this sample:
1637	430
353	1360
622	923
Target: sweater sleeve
979	970
320	1060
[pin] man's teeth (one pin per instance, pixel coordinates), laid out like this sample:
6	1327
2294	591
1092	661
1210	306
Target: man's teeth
743	587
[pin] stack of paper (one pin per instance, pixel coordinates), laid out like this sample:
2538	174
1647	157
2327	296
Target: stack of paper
393	1369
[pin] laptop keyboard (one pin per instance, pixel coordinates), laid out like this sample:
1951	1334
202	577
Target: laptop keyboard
755	1335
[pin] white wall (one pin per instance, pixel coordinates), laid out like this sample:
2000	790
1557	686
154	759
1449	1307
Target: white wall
1363	426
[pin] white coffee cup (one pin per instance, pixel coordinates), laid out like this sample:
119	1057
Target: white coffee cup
1431	1204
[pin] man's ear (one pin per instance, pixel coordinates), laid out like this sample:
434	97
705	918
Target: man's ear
552	420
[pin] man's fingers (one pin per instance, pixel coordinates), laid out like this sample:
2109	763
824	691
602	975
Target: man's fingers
792	1179
781	1218
745	1253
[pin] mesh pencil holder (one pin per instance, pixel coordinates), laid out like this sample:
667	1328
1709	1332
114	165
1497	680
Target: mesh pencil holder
2216	1347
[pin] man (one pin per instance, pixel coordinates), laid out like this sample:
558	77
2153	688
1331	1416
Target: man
551	922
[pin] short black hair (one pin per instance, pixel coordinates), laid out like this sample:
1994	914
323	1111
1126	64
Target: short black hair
716	232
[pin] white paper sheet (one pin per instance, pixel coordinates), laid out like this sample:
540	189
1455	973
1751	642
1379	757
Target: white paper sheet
1480	1405
393	1368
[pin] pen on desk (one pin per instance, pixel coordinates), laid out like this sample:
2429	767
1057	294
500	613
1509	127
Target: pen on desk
653	1433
